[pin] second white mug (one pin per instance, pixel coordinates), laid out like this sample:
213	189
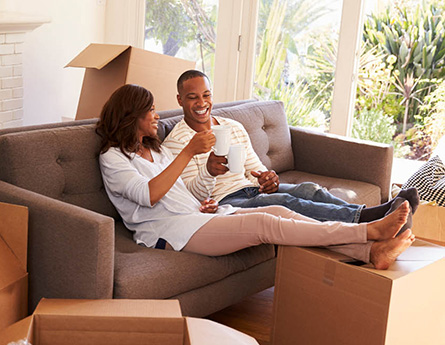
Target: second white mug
236	158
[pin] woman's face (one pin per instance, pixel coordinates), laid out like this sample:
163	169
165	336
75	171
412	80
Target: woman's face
148	124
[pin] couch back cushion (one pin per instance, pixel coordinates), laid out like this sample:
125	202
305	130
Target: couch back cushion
266	124
59	162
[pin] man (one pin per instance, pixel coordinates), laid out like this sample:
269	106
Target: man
207	174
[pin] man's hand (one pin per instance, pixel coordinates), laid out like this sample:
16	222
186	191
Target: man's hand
209	206
268	181
215	165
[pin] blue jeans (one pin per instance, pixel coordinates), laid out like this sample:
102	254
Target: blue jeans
308	199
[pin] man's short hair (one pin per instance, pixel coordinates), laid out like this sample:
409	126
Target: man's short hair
190	74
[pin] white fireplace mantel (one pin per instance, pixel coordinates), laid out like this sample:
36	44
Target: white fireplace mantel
20	22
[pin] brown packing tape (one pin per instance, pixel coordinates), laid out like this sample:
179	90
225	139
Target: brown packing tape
329	273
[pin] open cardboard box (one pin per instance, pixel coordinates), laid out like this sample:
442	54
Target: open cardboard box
13	268
320	299
118	322
109	66
429	222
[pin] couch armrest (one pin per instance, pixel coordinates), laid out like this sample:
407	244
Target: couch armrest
70	249
341	157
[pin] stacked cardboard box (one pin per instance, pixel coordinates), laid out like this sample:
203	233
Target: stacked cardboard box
321	299
429	222
13	267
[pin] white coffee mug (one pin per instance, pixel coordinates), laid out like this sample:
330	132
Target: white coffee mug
236	158
222	135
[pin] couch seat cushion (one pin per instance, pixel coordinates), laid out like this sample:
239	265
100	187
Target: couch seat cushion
153	273
354	192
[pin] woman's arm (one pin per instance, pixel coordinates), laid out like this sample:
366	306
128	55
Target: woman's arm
159	186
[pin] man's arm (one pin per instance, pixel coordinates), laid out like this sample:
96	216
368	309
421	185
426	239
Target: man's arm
256	172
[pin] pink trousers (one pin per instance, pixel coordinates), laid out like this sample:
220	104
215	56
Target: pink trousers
277	225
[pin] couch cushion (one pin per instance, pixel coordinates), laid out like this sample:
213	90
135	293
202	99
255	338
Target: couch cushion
268	130
142	272
166	125
354	192
59	162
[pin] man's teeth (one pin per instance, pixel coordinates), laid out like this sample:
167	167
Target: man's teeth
201	112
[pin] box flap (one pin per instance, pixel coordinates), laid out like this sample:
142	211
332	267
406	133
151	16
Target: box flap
203	332
422	251
97	55
18	331
10	268
420	254
110	307
14	230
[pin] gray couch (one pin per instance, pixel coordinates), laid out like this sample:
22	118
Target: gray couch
79	247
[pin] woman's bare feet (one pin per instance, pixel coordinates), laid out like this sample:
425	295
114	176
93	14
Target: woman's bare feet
390	225
384	253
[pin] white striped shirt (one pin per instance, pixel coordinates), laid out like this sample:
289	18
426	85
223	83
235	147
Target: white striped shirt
196	177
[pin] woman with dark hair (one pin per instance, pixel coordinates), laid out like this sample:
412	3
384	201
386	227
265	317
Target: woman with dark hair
143	182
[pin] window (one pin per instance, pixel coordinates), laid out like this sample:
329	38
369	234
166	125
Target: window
296	55
400	94
183	28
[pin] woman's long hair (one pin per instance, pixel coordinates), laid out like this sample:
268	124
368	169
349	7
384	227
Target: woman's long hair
118	123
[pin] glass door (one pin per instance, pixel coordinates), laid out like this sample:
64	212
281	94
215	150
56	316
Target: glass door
183	28
296	56
400	94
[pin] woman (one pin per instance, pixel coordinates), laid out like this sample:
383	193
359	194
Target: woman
143	182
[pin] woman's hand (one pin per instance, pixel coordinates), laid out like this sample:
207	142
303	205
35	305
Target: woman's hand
209	206
159	186
201	142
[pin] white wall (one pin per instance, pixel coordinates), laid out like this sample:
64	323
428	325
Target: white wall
51	91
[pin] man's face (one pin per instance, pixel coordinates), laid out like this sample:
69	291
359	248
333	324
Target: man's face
195	98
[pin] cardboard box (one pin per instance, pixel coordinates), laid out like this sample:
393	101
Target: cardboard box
13	267
319	299
429	222
118	322
109	66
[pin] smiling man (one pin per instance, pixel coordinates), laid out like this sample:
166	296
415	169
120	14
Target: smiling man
207	175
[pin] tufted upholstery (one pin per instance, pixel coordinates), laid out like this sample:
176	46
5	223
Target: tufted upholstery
60	163
265	122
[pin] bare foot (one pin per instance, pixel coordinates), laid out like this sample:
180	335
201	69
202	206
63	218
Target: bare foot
384	253
390	225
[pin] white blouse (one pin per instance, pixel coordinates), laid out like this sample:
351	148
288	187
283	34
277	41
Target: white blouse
175	218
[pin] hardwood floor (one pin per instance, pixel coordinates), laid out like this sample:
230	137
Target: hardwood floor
252	316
